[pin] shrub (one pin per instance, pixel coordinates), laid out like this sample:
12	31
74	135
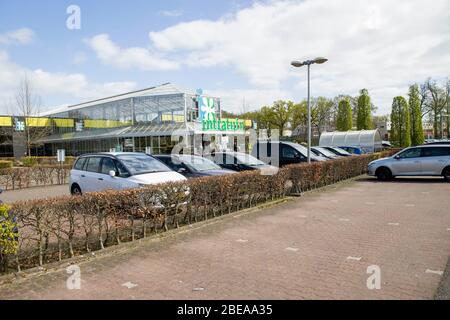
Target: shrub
53	229
29	161
8	236
25	177
5	164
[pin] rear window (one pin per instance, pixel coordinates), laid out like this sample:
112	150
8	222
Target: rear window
435	152
79	164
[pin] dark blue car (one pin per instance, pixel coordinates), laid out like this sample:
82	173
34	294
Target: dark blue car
353	150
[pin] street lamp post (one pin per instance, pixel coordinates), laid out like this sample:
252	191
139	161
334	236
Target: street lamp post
308	63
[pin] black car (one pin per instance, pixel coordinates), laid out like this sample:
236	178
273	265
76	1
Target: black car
192	166
239	161
288	153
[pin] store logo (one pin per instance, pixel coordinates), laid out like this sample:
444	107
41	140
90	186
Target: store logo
20	125
79	126
207	108
223	125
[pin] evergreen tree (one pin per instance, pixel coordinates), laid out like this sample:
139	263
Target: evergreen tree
400	123
344	121
364	111
417	136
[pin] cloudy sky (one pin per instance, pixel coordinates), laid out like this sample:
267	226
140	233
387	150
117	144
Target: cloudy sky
237	50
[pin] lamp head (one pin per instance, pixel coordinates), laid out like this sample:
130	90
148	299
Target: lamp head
320	60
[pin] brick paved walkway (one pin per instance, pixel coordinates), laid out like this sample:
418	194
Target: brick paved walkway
317	246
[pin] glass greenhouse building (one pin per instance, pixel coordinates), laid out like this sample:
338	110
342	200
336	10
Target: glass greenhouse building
143	120
368	140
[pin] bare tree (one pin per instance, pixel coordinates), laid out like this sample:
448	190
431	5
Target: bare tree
28	105
438	100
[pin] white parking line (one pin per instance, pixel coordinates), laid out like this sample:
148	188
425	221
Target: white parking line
393	223
291	249
241	240
354	258
198	289
344	220
301	216
438	272
410	205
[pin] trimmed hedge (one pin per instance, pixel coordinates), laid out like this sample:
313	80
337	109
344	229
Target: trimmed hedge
57	228
5	164
33	161
25	177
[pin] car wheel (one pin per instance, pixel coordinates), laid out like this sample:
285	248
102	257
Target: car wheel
76	190
384	174
446	174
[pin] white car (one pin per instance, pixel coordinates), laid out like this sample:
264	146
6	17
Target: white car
426	160
118	170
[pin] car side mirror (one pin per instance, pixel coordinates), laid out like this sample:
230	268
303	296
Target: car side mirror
182	170
112	173
397	157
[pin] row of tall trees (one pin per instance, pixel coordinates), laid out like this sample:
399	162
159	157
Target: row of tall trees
428	102
339	113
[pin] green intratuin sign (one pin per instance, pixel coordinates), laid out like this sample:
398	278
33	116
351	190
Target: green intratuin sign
223	125
207	116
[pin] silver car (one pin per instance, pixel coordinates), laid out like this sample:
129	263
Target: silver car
433	160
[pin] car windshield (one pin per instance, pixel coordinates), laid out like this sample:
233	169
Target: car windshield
248	160
325	152
304	151
142	163
199	163
342	151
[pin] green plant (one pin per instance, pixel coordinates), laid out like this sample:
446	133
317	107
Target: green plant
364	111
400	123
29	161
8	236
4	164
344	116
417	136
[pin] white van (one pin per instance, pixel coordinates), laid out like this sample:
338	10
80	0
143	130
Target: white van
118	170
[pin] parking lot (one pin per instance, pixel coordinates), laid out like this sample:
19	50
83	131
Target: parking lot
319	246
10	196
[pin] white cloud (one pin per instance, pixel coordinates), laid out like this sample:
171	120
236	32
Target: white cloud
19	36
79	57
171	13
240	100
74	85
130	58
379	45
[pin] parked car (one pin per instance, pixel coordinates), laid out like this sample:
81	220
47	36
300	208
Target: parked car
118	170
239	161
320	151
192	166
427	160
338	151
445	142
353	150
288	153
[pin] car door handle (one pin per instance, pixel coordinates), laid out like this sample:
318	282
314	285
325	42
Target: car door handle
101	179
83	176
